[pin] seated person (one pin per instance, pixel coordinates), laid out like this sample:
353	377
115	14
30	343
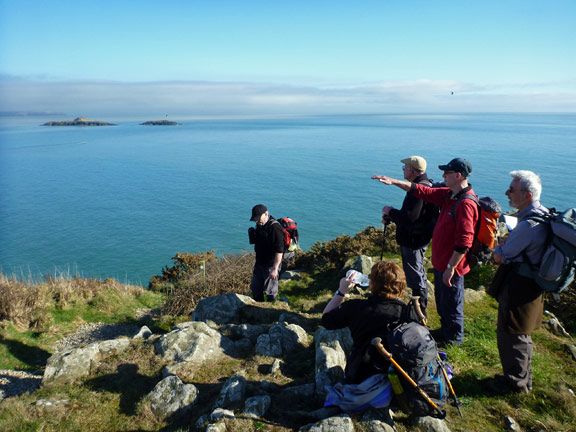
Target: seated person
367	318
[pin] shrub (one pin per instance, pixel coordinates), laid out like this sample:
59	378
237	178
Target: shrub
230	274
185	266
334	253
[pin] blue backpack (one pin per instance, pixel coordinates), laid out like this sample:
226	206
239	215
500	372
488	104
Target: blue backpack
558	265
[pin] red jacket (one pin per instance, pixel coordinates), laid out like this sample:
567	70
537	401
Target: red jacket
450	233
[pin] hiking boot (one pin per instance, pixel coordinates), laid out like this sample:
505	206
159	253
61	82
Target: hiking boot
500	385
437	335
270	298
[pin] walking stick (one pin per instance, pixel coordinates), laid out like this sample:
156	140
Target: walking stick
383	239
456	403
377	342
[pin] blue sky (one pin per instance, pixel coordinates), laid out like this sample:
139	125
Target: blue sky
287	57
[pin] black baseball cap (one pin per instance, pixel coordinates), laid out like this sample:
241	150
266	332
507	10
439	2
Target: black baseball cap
257	211
458	165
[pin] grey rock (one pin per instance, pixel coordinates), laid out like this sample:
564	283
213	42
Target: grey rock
331	348
194	343
473	296
232	393
143	333
222	309
341	423
282	339
510	424
51	404
377	420
257	406
216	427
363	264
571	349
430	424
171	396
74	363
275	367
244	331
221	413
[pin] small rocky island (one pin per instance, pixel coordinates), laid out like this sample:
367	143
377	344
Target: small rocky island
160	123
78	121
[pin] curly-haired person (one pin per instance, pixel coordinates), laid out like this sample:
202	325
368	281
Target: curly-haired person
367	318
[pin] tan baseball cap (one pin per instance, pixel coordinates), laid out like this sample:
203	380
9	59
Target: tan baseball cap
417	162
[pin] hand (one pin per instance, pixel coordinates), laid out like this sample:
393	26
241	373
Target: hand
386	211
347	283
382	179
274	273
447	276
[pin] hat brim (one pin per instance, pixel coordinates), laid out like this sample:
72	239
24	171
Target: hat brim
255	218
443	167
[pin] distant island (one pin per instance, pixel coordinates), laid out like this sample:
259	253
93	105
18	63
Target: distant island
160	123
78	121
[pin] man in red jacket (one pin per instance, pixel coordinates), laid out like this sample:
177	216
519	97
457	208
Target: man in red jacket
451	240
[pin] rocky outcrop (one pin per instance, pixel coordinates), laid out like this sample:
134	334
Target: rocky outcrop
223	335
172	397
78	121
74	363
160	123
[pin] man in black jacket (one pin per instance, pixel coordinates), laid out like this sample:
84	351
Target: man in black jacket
268	240
414	226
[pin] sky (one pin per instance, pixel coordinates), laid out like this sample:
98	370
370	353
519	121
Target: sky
280	57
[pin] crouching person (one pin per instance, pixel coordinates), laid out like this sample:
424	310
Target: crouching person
366	385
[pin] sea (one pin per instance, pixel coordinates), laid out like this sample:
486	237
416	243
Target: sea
120	201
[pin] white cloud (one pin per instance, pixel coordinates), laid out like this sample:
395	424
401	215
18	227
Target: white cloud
212	98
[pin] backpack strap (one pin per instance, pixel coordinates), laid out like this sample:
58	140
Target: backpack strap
461	196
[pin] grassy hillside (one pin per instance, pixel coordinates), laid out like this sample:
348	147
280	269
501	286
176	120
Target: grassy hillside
36	316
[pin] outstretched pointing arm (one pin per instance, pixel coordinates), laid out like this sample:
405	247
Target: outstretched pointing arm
404	185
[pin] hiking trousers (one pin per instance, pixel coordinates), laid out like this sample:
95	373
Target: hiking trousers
413	265
450	307
516	352
262	283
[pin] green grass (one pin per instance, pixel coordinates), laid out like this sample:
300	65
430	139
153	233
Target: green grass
112	399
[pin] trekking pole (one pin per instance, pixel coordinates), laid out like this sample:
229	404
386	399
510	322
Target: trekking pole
377	342
456	403
383	239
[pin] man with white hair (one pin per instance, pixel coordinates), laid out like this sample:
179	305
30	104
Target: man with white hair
520	300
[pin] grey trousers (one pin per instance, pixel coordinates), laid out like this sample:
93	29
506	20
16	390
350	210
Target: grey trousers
262	283
413	265
516	352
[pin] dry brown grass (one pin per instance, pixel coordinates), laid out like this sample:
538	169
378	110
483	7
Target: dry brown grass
230	274
23	303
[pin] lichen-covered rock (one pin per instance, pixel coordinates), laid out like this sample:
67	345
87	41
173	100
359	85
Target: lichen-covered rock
74	363
341	423
282	339
257	406
222	309
194	343
232	393
171	396
331	349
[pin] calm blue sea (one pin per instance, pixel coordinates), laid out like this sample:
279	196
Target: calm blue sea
121	201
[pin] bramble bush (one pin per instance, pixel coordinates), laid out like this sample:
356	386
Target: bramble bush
229	274
185	266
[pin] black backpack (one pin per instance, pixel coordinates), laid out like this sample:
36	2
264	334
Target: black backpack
414	349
